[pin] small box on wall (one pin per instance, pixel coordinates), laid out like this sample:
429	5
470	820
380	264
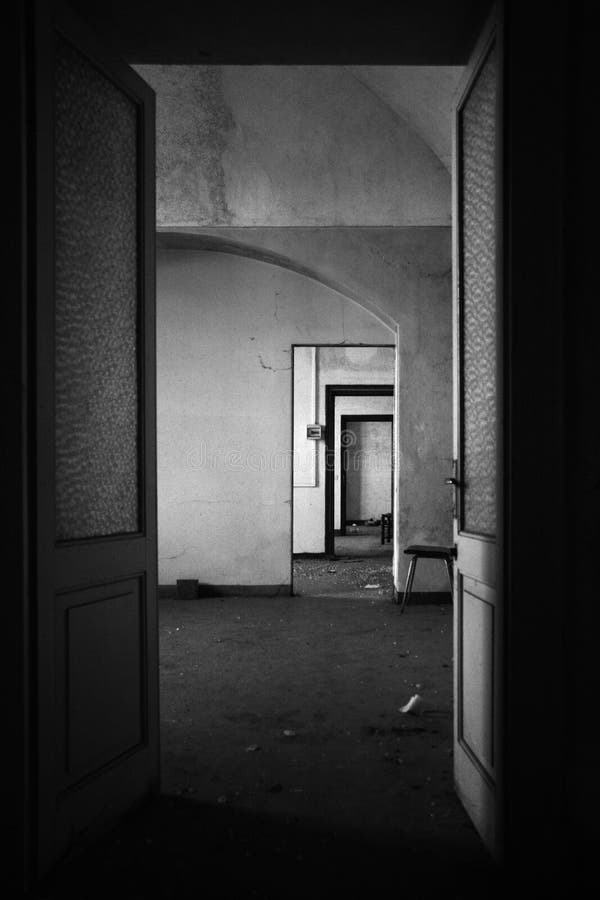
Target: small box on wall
315	432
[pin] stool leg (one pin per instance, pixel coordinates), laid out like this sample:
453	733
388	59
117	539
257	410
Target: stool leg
409	582
449	569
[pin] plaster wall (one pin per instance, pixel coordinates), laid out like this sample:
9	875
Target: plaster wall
369	470
211	307
288	146
225	330
306	166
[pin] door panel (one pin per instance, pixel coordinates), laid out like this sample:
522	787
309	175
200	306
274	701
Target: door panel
95	435
476	719
100	676
478	335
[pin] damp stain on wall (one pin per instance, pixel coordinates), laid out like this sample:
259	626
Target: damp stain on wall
193	125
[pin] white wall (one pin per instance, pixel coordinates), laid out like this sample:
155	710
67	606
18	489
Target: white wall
225	329
369	470
309	167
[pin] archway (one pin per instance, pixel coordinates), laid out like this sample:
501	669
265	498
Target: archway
227	321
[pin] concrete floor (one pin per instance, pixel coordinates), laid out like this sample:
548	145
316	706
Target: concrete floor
288	770
365	543
344	578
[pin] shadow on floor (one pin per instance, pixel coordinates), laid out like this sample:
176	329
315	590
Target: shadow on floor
175	848
287	769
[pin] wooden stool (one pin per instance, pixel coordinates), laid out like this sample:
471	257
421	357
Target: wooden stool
422	551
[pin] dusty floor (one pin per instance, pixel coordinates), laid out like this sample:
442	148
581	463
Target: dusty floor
288	770
364	542
344	578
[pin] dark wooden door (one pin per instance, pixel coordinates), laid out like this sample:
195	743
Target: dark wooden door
95	509
478	355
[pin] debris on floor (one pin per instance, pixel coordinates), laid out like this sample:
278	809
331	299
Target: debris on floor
312	682
414	705
360	563
293	715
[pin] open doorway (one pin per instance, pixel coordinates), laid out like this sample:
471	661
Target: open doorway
366	486
336	467
359	461
407	44
282	329
236	675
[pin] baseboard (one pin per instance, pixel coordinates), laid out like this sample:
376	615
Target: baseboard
312	556
169	591
431	598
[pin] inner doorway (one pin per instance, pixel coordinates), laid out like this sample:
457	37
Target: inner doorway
366	493
271	366
351	401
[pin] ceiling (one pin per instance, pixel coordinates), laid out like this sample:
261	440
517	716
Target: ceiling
420	95
407	32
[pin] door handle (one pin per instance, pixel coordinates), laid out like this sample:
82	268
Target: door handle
455	483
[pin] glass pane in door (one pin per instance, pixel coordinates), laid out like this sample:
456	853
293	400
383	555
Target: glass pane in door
478	301
96	301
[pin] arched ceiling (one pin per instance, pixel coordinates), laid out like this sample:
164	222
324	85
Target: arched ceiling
284	146
409	54
421	95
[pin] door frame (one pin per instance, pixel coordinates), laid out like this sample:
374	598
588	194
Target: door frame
339	345
331	392
367	417
535	246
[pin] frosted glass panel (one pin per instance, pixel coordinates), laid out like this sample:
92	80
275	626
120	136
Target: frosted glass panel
96	302
479	302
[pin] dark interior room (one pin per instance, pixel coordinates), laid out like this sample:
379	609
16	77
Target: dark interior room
300	467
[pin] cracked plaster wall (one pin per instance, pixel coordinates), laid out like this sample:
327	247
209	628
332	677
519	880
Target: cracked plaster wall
225	329
302	162
286	146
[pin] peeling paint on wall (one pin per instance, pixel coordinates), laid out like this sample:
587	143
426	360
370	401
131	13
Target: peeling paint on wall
272	158
287	146
193	127
225	410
